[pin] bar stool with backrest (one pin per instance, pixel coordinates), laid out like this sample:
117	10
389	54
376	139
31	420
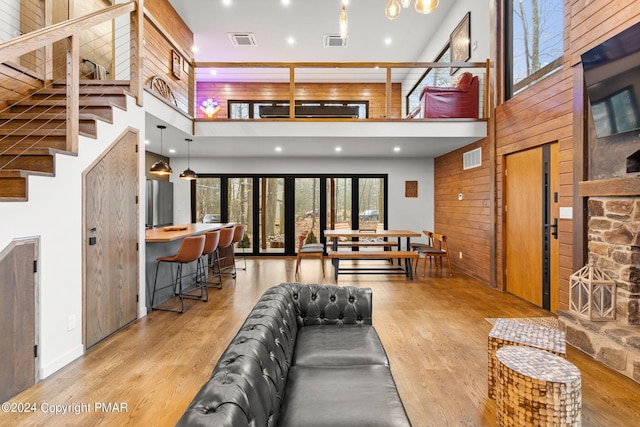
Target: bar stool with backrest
209	253
309	250
238	235
225	246
190	251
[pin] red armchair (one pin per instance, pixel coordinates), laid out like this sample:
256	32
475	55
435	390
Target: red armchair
458	101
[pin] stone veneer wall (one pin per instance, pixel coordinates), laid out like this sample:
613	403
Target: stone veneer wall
614	246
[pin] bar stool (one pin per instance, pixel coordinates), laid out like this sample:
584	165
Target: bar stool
225	246
209	253
190	251
238	235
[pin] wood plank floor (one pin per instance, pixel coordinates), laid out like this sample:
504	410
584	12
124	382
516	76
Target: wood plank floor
433	328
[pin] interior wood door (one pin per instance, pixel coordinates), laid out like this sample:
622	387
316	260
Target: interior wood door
111	238
18	318
531	231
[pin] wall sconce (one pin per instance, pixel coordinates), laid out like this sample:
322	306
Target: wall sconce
592	294
161	167
210	107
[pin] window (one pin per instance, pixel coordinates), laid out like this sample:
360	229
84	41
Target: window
275	208
251	109
431	77
534	42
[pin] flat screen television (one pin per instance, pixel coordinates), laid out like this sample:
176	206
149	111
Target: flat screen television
612	76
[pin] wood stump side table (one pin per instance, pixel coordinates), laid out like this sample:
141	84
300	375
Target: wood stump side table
537	388
512	332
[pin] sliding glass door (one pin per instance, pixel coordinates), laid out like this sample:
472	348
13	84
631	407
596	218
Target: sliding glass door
272	215
276	208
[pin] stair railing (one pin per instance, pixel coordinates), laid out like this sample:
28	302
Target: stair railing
80	61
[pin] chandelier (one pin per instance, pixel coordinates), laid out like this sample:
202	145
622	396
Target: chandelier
422	6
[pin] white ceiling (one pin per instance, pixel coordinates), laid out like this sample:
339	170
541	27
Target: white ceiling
307	21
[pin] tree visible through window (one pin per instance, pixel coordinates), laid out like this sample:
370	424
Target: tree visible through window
534	41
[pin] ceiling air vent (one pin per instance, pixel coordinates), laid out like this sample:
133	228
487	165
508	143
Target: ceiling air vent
243	39
472	159
334	40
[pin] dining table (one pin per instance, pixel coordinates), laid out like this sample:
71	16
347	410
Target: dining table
360	243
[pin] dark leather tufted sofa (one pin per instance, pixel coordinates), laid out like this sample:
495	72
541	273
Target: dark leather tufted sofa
306	356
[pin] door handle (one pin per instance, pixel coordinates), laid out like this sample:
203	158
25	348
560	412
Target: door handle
554	226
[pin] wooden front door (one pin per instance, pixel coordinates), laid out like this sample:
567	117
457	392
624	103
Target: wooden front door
18	350
111	238
531	211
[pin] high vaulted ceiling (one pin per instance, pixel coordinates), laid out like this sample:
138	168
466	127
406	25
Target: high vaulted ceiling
306	22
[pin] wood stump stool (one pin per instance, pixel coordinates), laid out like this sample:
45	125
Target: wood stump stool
511	332
537	388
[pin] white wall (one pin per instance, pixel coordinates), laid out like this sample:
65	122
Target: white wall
10	21
480	33
54	214
404	213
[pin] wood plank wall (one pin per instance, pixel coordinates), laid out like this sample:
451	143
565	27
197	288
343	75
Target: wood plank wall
545	113
158	48
372	92
466	222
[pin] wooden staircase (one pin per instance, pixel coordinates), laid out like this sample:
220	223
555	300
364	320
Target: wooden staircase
33	130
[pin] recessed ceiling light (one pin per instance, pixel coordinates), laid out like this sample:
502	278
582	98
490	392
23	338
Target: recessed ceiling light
291	40
147	142
172	151
338	149
278	149
396	149
286	2
387	41
226	2
194	49
213	72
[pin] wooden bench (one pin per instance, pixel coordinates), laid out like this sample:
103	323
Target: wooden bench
407	256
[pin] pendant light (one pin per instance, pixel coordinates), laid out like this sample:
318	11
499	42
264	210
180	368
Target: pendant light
426	6
343	24
393	9
188	173
161	167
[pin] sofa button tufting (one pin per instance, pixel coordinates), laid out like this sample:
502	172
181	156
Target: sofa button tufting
295	296
359	318
341	316
333	298
322	316
351	299
313	297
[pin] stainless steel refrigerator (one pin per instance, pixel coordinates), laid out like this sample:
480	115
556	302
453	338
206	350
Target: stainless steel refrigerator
159	203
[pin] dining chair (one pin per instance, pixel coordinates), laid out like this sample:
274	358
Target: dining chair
439	250
419	246
210	254
309	250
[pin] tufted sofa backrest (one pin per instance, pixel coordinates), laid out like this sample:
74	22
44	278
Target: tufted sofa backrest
248	383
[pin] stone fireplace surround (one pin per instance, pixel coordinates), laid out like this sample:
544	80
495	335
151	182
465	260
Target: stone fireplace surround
614	247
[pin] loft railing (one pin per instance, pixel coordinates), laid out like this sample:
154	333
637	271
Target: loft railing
224	82
70	53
